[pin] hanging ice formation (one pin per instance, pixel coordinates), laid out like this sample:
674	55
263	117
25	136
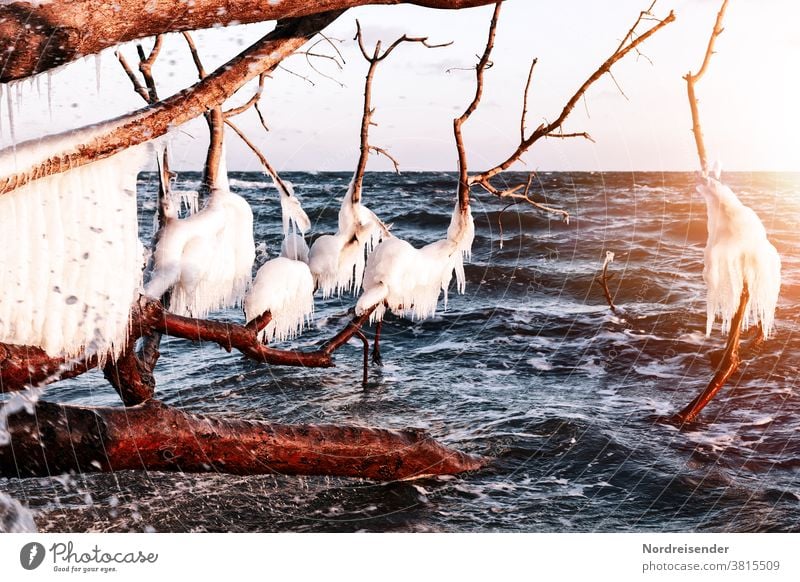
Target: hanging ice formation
207	258
292	213
70	256
408	280
284	286
337	261
738	252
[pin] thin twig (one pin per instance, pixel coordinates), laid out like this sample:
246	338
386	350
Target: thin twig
525	101
250	102
137	86
604	281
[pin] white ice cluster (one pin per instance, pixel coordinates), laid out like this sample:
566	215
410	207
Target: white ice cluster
408	280
738	252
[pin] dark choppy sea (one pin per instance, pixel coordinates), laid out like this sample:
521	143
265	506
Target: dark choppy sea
529	366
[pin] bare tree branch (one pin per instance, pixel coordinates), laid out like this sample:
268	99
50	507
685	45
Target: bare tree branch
153	436
513	194
604	282
366	118
692	79
463	176
730	363
551	129
137	86
250	102
525	101
382	151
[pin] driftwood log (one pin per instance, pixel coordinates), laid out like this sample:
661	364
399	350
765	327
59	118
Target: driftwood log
58	439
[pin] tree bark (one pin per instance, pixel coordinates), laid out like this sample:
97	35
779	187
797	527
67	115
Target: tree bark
37	38
156	437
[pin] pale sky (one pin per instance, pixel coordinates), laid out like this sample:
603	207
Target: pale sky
748	99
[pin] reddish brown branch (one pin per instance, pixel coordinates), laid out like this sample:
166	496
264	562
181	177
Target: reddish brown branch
233	336
727	367
25	366
131	377
351	329
692	79
155	437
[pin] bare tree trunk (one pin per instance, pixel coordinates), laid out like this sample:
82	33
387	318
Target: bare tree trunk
37	38
216	135
156	437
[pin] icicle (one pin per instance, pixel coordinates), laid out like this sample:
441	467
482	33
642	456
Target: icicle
50	94
292	212
294	247
10	106
207	258
98	66
188	201
338	261
70	246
